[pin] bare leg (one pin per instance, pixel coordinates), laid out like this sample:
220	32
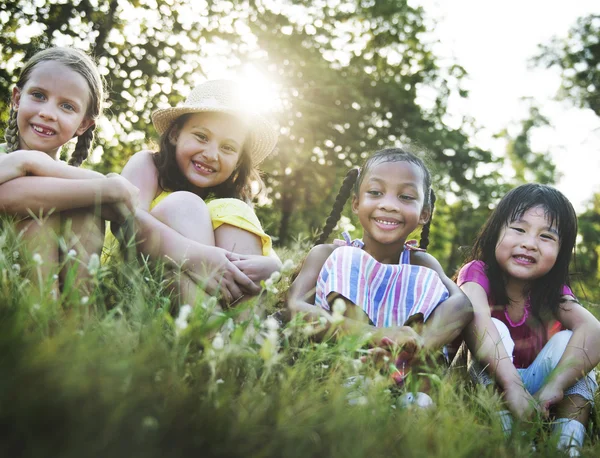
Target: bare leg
40	237
83	231
238	240
445	324
187	214
574	407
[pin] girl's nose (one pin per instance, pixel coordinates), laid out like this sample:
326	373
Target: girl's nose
388	204
47	113
210	151
528	243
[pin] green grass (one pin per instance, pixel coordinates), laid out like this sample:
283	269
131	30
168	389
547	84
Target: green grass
116	377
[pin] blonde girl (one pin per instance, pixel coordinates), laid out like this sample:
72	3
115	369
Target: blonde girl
58	96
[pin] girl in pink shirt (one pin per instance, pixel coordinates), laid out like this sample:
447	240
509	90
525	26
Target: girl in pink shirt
517	281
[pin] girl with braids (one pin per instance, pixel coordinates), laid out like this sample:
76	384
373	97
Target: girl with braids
517	279
58	96
195	194
392	289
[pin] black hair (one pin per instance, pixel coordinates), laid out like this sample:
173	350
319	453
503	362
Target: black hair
170	177
354	179
545	292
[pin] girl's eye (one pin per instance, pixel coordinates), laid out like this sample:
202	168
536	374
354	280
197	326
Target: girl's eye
518	229
229	149
201	137
548	236
374	193
406	197
68	107
38	95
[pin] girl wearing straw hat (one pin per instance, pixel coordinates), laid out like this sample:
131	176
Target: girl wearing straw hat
195	190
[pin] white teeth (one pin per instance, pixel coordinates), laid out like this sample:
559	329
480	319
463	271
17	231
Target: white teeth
42	131
387	223
203	168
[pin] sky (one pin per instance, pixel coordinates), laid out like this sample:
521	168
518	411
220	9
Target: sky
494	42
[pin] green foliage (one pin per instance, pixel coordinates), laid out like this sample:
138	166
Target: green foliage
119	376
355	76
587	263
578	58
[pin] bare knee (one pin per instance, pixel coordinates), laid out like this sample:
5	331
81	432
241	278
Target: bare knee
186	213
232	238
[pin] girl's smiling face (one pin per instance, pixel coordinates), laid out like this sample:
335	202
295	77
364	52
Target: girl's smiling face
390	204
51	107
208	147
528	247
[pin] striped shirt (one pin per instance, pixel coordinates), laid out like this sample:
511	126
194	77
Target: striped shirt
389	294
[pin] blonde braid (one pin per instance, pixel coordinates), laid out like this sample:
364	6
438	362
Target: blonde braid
82	148
12	131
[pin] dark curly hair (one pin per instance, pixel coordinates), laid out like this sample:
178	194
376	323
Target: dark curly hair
170	177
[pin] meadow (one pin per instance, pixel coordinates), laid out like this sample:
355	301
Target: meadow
117	373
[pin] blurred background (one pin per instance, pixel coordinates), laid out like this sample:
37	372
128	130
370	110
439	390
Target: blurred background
494	95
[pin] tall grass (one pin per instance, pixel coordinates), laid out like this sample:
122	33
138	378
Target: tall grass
115	374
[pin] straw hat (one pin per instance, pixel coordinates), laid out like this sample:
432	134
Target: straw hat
222	96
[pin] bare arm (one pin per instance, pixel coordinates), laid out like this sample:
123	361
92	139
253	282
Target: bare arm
160	241
301	298
39	164
581	355
23	195
483	340
451	316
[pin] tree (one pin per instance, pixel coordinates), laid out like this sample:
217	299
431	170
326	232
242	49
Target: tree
356	76
578	58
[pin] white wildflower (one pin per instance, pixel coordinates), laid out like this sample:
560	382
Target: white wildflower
339	307
37	258
275	276
16	268
308	330
93	264
218	343
71	254
270	287
15	255
271	324
219	381
55	277
288	266
85	300
182	319
35	306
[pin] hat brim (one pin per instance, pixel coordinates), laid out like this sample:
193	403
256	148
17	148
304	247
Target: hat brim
262	138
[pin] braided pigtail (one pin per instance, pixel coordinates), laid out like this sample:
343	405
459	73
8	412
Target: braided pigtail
338	206
424	241
12	131
82	148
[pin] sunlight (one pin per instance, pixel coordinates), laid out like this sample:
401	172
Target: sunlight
261	94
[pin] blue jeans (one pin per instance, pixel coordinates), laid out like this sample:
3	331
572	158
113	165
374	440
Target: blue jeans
535	375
